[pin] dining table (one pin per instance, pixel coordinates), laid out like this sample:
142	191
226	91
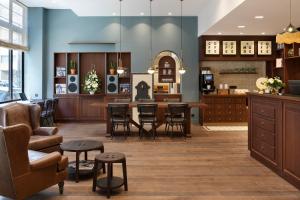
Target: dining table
162	109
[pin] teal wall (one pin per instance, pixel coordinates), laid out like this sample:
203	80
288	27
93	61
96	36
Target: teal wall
62	26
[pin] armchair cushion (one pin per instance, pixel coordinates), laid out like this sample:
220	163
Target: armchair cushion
45	131
38	142
18	114
44	161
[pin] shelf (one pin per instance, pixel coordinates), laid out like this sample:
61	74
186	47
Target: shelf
238	73
292	57
60	77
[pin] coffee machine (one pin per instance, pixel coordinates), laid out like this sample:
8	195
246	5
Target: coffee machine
207	83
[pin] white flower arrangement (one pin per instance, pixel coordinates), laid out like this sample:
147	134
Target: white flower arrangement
92	81
274	84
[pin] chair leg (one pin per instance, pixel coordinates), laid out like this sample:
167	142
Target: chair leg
153	131
61	187
124	131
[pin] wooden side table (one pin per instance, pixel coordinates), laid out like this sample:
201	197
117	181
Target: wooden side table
110	182
82	146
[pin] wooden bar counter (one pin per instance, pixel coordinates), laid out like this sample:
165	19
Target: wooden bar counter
274	133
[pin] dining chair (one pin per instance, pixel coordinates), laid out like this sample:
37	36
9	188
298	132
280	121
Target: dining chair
119	115
177	117
147	115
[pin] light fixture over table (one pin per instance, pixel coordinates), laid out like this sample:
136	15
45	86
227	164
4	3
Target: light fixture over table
291	34
120	69
151	68
182	69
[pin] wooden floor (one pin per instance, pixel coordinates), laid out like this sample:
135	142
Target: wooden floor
208	166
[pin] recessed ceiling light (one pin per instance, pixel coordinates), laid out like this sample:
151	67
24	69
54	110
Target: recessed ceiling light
142	14
259	17
241	33
241	26
263	33
219	33
114	14
169	13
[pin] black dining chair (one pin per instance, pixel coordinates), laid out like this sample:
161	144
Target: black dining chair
177	116
46	112
147	115
119	115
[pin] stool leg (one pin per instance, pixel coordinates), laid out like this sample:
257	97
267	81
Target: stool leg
86	155
109	177
103	164
77	167
95	175
125	175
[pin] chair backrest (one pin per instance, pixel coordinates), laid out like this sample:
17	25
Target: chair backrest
118	110
178	109
13	157
48	106
148	109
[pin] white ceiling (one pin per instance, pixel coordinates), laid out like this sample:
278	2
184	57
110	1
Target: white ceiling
275	12
214	16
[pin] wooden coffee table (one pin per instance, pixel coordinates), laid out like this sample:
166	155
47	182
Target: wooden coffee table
82	146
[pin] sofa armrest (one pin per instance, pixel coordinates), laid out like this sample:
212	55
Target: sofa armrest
48	160
45	131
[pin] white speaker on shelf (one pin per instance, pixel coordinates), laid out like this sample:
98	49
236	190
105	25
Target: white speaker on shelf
112	84
73	84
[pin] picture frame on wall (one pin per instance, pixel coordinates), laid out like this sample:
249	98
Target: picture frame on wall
60	71
141	86
247	48
212	47
264	48
229	48
60	88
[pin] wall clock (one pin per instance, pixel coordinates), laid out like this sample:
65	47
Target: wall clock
247	47
264	48
229	47
212	47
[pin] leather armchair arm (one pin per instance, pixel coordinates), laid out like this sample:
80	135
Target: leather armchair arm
46	161
45	131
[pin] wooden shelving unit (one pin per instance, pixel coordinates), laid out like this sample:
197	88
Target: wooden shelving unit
167	70
238	73
83	106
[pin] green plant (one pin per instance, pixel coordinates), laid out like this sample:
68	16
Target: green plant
112	65
274	83
92	82
72	64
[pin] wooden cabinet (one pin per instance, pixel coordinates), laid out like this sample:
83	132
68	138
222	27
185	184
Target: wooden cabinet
265	122
225	108
274	134
67	108
291	142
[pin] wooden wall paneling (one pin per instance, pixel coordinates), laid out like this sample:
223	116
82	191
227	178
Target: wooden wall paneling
67	108
90	109
87	60
238	56
60	60
291	141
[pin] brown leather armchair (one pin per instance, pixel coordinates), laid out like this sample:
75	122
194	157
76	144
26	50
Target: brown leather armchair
43	139
23	172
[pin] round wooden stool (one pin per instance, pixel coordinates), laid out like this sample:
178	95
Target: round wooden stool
110	182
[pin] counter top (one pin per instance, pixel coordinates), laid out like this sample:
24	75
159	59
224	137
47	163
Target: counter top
279	97
166	94
227	95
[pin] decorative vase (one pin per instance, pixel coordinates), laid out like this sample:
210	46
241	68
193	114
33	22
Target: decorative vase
112	71
275	91
73	71
92	92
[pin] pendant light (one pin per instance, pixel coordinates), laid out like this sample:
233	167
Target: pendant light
290	28
120	69
151	69
291	34
182	69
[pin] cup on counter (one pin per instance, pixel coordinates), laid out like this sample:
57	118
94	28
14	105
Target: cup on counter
226	86
208	87
221	86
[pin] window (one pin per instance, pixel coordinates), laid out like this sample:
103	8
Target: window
13	26
11	74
